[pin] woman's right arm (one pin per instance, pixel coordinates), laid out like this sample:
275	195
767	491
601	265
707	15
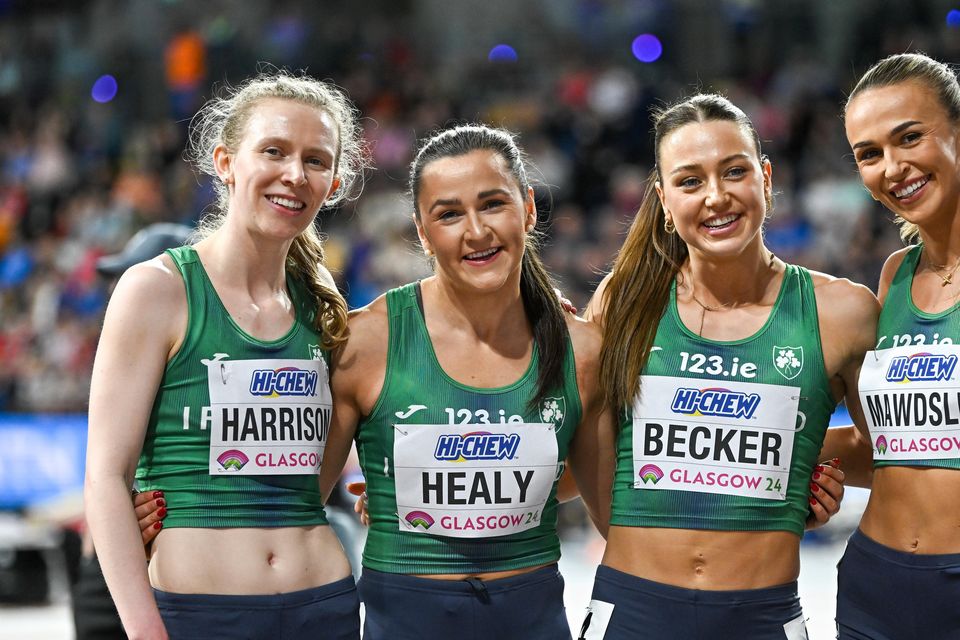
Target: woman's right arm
142	328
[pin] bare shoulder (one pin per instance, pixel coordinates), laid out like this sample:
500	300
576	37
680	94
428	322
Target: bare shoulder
152	292
369	335
890	267
848	311
586	337
596	307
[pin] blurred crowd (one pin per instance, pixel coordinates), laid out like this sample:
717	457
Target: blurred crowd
78	177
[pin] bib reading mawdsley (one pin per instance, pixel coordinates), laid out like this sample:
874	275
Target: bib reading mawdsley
473	480
269	417
911	399
691	435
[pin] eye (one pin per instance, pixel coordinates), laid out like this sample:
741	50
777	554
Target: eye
493	204
317	162
690	182
910	136
737	172
449	214
272	151
868	154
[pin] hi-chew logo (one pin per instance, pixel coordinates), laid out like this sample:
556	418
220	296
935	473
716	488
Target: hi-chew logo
286	381
922	367
232	460
420	519
650	473
715	402
881	445
479	445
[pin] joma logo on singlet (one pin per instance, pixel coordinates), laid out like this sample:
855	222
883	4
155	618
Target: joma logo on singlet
922	367
477	446
715	402
288	381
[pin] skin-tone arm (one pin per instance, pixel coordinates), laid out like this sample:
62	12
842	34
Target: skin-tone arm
144	323
848	320
592	452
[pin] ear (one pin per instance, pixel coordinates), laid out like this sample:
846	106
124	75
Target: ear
767	170
663	204
333	187
223	164
530	211
424	240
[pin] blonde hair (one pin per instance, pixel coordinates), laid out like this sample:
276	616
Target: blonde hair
223	120
904	67
639	287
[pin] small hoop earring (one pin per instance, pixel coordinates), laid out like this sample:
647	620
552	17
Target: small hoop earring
668	225
428	253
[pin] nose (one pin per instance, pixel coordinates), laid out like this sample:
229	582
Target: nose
293	173
894	168
476	228
716	194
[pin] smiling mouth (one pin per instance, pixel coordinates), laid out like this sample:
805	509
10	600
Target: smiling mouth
478	256
910	189
287	203
721	222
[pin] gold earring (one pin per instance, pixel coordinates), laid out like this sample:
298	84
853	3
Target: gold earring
428	253
668	225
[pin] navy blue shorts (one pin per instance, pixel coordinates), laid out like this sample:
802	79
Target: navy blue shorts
528	606
885	594
330	612
625	607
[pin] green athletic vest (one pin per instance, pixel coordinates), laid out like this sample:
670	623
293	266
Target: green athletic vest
910	386
269	415
452	470
727	433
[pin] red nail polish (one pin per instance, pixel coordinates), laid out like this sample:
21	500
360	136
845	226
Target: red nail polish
816	476
160	502
161	513
814	488
158	525
812	502
819	467
158	494
836	461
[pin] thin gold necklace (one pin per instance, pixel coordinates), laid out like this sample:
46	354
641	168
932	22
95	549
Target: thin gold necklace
724	305
937	268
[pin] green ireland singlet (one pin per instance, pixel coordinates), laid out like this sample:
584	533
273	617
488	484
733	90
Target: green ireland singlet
910	386
724	435
238	426
460	479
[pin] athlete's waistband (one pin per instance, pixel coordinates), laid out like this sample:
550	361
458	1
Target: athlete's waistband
867	545
467	587
267	601
659	590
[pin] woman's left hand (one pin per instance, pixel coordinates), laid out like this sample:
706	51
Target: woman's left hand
826	493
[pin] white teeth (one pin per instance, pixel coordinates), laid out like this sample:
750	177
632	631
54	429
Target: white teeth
284	202
903	193
481	254
719	222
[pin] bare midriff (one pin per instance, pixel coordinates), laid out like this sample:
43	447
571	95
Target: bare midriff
489	575
914	509
246	561
709	560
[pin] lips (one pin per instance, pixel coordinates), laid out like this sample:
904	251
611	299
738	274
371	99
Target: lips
287	203
481	256
906	190
720	222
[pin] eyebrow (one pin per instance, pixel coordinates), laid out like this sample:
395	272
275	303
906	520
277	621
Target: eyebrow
731	158
446	202
897	129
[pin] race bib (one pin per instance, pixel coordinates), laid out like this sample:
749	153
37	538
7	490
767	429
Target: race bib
697	435
268	417
473	480
911	399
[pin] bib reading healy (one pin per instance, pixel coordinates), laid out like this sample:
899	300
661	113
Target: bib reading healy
473	480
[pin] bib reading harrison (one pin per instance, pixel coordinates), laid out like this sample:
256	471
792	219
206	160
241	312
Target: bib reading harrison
460	479
237	430
723	435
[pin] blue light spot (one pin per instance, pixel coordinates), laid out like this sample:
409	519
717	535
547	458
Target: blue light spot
953	18
502	53
104	89
647	48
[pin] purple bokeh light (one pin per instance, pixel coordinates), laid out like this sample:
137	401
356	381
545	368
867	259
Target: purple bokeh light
647	48
104	89
502	53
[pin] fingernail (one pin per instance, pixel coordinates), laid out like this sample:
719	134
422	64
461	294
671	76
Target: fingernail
160	502
836	461
814	488
812	502
819	467
161	513
158	525
816	476
158	494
